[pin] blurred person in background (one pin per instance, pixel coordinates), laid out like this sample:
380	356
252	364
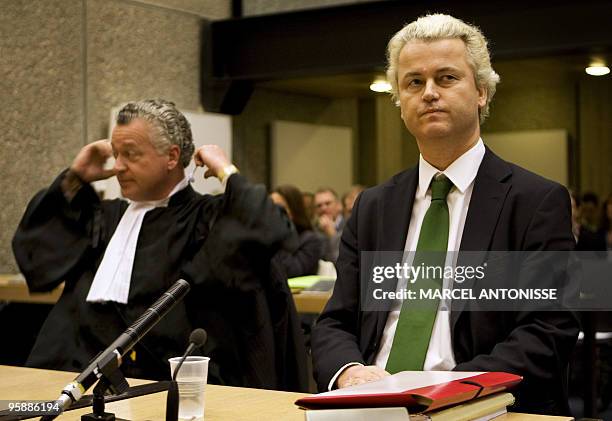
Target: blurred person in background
589	209
329	220
308	199
606	224
305	259
348	199
587	237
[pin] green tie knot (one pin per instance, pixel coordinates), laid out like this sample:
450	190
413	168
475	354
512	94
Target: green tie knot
440	187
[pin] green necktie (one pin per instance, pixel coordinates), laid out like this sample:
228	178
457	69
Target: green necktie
414	325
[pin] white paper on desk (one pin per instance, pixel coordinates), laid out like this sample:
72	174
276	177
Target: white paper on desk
400	382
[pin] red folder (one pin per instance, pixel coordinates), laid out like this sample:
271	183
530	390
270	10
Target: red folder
421	390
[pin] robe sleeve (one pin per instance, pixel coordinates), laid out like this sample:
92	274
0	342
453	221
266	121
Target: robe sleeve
54	235
305	259
246	230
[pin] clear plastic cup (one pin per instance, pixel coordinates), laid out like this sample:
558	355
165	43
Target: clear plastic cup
191	379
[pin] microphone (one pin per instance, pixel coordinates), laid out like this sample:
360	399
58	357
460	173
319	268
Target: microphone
196	339
124	343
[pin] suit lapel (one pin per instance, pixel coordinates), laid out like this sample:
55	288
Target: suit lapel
395	209
491	187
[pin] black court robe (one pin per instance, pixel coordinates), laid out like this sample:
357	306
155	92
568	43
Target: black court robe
222	245
304	260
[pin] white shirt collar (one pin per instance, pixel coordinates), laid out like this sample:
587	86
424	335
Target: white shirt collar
114	275
461	172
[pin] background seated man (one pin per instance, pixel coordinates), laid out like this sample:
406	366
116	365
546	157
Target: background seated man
118	256
329	220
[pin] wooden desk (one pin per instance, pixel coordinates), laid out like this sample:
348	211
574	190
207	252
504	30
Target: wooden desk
13	288
223	403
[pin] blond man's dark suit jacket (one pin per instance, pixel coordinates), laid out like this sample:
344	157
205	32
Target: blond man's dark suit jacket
510	209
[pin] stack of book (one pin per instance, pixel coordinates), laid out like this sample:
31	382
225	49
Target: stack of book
417	395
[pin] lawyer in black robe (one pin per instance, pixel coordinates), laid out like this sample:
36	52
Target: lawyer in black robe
222	245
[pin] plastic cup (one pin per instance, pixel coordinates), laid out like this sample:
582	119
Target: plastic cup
191	379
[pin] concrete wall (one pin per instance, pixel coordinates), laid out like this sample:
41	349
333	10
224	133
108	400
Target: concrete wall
65	63
251	129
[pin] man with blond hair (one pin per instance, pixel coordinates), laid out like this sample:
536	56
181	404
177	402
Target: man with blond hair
460	197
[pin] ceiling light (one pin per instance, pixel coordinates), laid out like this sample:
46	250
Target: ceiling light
597	69
380	85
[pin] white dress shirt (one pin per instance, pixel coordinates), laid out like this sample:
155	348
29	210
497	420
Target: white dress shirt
462	172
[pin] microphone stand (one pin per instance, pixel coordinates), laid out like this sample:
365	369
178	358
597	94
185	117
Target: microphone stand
196	340
172	398
110	379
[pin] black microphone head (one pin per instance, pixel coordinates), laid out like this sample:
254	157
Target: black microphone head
198	337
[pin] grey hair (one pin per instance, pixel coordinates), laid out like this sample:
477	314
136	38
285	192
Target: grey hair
437	27
170	124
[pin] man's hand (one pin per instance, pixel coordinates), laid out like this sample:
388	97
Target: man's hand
213	157
326	224
359	374
89	162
